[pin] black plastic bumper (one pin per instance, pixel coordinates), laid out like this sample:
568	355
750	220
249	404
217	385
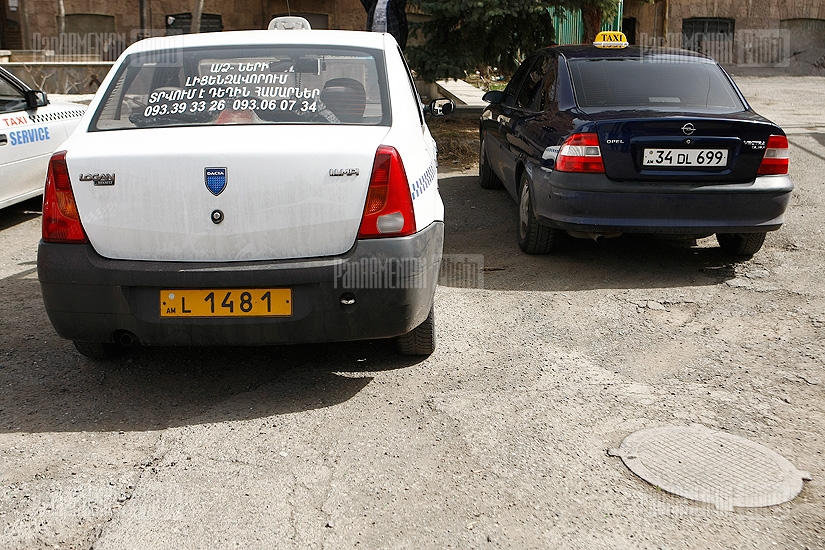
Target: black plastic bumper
593	203
93	299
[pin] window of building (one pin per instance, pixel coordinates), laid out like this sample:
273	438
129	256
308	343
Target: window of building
700	34
181	23
87	36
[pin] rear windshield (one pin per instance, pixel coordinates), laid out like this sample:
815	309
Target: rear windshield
659	85
249	85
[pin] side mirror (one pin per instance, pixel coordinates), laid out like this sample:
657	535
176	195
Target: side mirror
35	99
440	107
493	96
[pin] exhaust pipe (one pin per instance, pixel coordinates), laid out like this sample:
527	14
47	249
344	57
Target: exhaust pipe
598	237
126	339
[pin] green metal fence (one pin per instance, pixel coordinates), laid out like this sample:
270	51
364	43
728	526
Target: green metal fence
569	27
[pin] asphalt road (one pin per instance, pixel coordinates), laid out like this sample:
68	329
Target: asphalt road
498	440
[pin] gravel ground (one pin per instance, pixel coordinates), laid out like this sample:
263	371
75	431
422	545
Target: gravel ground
498	440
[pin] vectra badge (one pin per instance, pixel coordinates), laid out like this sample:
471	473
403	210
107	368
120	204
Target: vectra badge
215	180
688	129
99	179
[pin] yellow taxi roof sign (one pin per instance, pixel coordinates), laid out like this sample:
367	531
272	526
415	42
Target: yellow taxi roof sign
610	39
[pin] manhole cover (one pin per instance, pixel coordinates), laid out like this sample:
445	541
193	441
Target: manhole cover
709	466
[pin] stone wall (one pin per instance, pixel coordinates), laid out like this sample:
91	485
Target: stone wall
754	15
748	15
343	14
61	78
76	63
766	34
235	15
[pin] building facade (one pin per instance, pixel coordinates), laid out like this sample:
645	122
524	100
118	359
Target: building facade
758	33
93	27
732	31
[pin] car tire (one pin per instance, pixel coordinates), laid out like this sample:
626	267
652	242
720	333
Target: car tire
99	351
533	238
486	178
740	244
420	340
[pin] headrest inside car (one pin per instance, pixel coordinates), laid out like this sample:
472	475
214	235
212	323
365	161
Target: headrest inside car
346	98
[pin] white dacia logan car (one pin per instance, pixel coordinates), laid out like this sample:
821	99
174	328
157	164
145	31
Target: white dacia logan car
247	188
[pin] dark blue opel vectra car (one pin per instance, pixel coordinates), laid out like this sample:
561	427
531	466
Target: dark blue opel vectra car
599	140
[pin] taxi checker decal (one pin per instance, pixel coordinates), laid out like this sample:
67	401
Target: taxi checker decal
422	183
60	115
33	135
42	117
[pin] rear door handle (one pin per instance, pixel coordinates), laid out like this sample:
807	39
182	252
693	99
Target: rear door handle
3	139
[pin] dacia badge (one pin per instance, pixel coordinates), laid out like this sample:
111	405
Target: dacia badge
215	180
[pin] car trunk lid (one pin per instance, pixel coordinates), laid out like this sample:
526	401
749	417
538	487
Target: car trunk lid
230	193
654	146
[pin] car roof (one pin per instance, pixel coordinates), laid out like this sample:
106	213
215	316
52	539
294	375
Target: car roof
589	51
370	40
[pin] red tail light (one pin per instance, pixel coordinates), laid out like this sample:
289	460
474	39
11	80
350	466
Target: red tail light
388	211
61	221
775	162
580	153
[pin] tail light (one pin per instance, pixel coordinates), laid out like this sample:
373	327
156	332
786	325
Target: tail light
389	210
61	221
580	153
775	162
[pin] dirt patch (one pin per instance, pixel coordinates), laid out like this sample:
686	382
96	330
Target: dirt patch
457	139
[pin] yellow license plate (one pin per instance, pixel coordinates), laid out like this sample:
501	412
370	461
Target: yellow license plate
226	302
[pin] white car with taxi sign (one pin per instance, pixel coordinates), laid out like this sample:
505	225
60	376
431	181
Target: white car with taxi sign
247	188
31	129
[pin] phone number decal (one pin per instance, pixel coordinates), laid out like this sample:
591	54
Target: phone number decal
217	105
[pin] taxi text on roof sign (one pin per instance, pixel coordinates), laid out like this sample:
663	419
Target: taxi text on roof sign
610	39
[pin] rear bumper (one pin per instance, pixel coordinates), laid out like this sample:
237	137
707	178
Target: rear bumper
593	203
94	299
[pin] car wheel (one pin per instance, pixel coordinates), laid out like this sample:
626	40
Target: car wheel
99	351
486	178
420	340
533	238
740	244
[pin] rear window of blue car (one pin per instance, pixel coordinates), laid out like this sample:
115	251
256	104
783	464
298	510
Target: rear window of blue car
248	85
668	84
